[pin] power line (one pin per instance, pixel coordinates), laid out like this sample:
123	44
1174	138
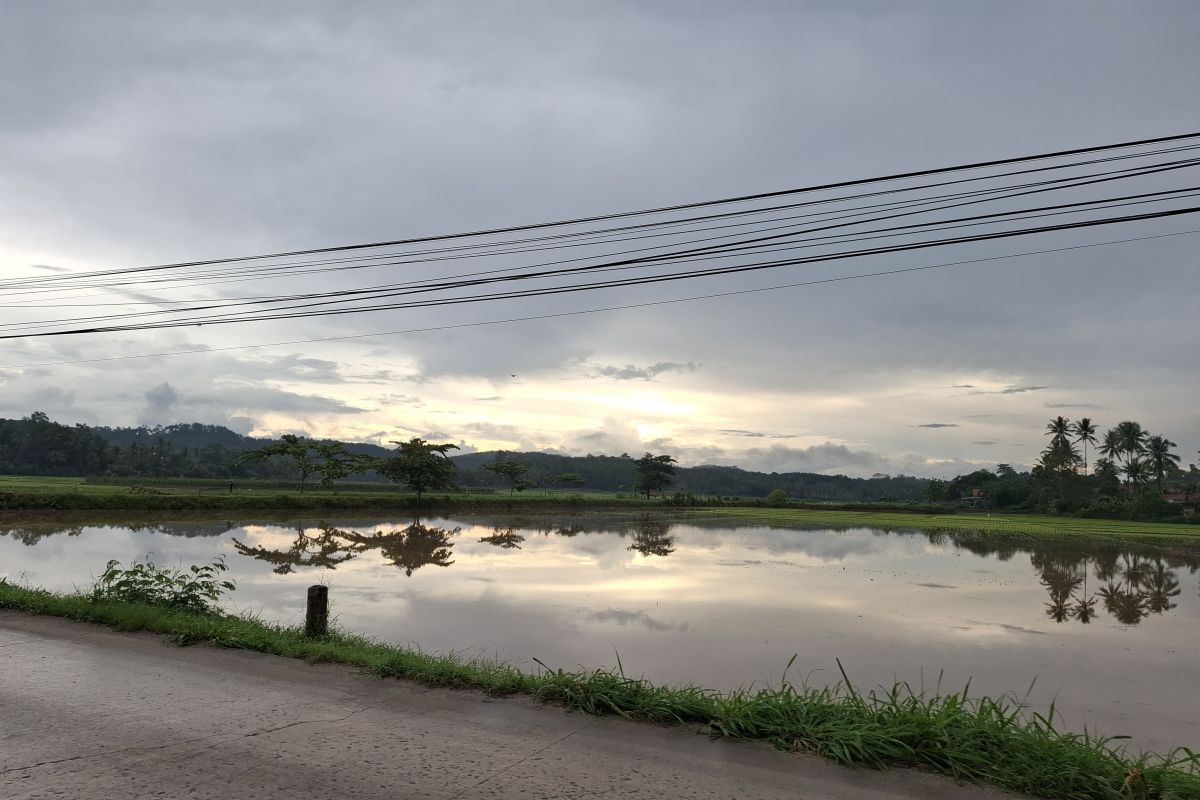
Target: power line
684	206
557	315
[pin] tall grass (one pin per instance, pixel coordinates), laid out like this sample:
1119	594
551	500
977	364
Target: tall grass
968	738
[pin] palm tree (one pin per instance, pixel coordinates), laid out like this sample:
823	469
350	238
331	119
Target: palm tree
1160	457
1111	446
1085	433
1059	428
1132	439
1136	470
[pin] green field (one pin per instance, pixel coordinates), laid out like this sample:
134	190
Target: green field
40	494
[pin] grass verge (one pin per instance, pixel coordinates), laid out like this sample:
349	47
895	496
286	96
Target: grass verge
972	739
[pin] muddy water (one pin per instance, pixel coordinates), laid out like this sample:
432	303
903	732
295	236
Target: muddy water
1108	634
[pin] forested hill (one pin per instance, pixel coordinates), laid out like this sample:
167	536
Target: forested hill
36	445
615	473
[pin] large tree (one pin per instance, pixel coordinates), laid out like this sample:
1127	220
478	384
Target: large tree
654	473
513	472
420	465
291	446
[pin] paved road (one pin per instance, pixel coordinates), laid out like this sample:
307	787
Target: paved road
89	713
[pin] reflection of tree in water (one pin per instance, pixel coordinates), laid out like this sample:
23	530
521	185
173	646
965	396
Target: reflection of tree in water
507	538
652	538
31	536
1160	586
411	548
1133	584
408	548
325	549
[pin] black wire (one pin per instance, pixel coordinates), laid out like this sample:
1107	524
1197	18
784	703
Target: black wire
638	281
679	207
359	295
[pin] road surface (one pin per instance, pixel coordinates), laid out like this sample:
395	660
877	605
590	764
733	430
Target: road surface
86	712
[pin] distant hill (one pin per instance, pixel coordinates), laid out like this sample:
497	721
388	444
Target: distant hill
616	473
37	445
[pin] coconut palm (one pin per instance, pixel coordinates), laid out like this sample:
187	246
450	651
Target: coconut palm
1110	447
1160	458
1085	433
1137	470
1059	428
1132	438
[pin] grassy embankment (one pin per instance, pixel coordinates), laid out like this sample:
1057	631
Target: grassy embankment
972	739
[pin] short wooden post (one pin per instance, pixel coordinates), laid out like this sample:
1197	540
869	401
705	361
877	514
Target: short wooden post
316	616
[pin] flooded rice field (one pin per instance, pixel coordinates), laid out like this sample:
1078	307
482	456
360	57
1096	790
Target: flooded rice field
1108	634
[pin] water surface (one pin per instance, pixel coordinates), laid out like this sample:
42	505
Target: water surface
1108	634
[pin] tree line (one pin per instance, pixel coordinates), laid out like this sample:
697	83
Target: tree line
1136	475
36	445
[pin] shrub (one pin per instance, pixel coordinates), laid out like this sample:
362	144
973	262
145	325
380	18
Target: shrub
196	589
778	498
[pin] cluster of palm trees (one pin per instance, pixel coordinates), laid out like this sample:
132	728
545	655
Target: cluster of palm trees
1126	449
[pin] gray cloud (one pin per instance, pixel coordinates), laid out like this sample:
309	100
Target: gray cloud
984	442
629	372
49	268
937	425
160	405
754	434
1010	390
1086	406
623	617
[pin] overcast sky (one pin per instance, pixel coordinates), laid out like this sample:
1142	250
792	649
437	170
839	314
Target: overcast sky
141	133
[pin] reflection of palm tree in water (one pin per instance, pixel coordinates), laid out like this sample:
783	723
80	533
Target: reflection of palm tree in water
1061	578
325	550
652	538
409	548
1161	584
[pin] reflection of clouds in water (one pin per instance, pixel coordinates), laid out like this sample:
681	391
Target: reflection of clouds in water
820	545
622	617
975	625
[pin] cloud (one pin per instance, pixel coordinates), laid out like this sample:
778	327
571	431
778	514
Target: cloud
1086	406
984	442
49	268
622	617
245	397
400	400
755	434
491	399
160	404
1010	390
629	372
937	425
